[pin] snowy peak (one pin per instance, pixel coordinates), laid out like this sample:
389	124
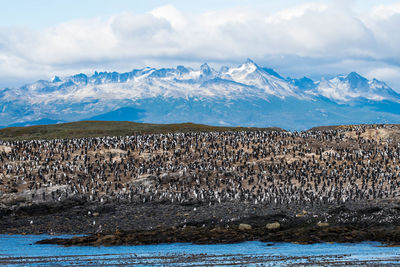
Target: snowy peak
56	79
80	79
355	80
205	70
182	69
250	62
250	73
247	67
244	81
247	94
353	87
241	72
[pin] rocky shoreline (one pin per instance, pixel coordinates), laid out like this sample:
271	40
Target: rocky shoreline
219	235
203	223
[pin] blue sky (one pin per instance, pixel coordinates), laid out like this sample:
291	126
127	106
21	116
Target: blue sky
42	38
47	13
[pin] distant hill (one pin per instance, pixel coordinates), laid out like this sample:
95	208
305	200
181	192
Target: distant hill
31	123
121	114
108	128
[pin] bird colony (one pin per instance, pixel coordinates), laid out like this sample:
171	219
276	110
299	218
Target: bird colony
333	165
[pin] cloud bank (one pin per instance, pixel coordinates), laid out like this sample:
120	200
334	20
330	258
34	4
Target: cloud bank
315	39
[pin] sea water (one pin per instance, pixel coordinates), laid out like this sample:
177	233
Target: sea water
22	250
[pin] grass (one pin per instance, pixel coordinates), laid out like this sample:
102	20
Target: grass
108	128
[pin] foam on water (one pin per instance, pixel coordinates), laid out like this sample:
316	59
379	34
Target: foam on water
21	250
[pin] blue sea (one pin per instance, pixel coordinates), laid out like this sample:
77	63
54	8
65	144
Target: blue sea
21	250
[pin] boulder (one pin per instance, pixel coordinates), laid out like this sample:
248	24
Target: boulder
274	225
244	226
322	224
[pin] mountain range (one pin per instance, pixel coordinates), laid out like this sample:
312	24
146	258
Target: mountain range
246	95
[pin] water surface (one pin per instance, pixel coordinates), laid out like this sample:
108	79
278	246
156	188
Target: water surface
21	250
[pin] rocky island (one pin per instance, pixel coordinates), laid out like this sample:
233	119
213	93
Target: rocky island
327	184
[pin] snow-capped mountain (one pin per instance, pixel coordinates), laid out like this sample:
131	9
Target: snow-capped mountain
352	86
247	95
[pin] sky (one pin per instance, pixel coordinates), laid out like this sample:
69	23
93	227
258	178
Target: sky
43	38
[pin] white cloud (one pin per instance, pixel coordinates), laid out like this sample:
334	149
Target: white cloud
172	15
385	11
323	36
386	74
296	12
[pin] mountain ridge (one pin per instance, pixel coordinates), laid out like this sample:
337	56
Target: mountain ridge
260	93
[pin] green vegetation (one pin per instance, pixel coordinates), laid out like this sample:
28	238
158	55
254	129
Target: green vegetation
108	128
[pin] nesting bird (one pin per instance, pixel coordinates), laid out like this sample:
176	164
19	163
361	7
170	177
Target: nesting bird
261	167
